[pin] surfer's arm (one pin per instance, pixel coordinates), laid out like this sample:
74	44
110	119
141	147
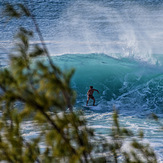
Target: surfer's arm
96	90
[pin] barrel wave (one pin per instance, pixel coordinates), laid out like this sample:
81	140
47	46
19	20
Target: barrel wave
131	86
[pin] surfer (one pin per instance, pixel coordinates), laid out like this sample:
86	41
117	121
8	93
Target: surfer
90	95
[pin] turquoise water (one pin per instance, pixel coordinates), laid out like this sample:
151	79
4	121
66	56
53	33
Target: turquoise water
134	87
116	46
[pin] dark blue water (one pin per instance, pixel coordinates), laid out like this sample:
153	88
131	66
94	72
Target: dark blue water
116	46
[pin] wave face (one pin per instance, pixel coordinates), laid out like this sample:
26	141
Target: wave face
134	88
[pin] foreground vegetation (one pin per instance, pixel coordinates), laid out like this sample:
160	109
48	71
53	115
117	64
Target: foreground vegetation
43	93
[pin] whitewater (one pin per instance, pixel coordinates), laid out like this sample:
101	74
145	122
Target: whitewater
116	46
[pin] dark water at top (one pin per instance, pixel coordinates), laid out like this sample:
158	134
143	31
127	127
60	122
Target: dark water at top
131	27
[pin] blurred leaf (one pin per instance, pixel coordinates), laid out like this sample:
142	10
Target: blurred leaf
10	11
36	52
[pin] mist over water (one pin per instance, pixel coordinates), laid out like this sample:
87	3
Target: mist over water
126	28
132	29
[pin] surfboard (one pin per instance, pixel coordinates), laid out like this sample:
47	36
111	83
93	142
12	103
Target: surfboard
91	107
88	106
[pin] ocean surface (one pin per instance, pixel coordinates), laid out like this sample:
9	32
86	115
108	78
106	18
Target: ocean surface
114	45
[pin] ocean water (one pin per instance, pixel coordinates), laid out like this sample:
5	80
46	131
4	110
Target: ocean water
114	45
